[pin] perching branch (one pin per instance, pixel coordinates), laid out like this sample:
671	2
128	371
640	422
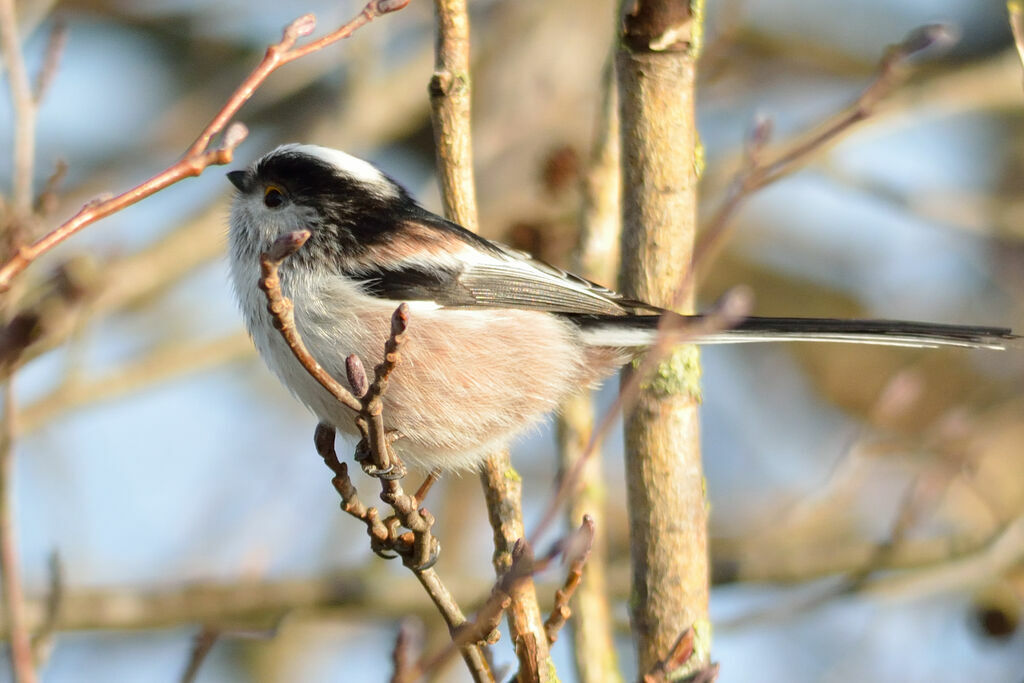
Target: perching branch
201	154
417	547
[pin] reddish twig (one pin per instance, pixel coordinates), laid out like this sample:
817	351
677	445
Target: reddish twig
560	613
675	659
417	547
732	308
200	155
201	646
208	637
282	312
758	172
405	652
523	567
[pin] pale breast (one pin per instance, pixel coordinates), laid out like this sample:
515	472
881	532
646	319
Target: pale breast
469	380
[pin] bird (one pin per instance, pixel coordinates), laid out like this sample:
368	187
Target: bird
497	339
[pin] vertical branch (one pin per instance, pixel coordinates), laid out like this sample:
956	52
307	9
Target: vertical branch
656	64
23	145
503	489
14	226
450	108
22	663
450	111
594	647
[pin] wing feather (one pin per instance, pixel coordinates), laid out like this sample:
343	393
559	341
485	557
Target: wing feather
455	268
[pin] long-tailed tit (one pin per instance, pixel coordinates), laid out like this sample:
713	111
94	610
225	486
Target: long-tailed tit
497	339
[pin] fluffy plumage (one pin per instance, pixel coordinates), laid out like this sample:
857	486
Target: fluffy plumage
497	338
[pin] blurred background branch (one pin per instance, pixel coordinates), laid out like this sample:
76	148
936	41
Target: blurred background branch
137	365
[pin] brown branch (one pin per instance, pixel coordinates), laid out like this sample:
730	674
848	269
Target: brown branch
200	155
81	289
42	642
758	171
282	312
450	89
450	95
676	657
407	647
201	646
560	613
14	222
729	310
24	114
208	637
21	659
663	469
54	50
163	364
522	568
418	548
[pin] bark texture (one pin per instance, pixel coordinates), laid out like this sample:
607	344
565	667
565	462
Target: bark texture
656	66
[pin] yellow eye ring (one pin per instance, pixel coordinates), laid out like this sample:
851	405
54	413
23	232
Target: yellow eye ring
273	196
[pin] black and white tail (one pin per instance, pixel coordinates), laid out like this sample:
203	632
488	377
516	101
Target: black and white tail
641	330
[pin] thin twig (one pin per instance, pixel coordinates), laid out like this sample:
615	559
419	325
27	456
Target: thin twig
757	171
730	310
560	613
14	222
42	642
483	627
405	652
24	112
21	660
418	548
54	50
282	313
676	657
209	635
200	154
201	646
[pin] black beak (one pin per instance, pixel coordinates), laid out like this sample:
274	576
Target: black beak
239	179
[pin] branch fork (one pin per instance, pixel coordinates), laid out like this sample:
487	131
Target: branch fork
417	546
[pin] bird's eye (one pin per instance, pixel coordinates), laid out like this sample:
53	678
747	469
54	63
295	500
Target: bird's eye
272	197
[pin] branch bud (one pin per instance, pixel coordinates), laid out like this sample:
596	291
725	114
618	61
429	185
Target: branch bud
286	245
356	375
